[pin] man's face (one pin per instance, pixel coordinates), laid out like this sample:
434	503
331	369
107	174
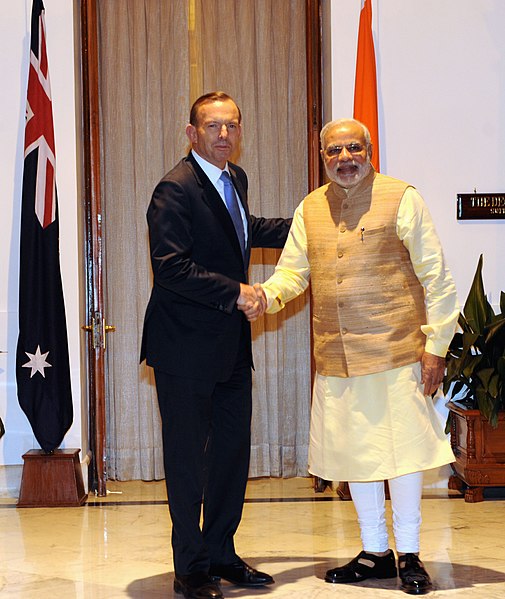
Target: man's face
217	134
346	155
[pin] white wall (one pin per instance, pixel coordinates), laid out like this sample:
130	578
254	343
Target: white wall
14	48
441	66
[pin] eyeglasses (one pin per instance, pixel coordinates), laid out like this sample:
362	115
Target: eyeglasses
352	148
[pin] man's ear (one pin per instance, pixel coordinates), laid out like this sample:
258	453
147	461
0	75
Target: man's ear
191	133
370	151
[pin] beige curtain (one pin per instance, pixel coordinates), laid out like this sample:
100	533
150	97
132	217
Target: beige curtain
156	57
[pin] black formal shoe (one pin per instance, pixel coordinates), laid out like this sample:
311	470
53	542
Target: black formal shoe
363	566
241	574
197	585
415	579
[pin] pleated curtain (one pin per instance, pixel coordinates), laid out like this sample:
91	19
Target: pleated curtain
156	58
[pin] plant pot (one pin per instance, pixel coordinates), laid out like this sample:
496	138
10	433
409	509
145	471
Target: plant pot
479	451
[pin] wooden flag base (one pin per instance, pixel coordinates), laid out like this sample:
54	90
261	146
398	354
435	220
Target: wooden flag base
52	480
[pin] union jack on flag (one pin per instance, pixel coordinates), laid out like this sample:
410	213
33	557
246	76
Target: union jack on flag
42	362
39	131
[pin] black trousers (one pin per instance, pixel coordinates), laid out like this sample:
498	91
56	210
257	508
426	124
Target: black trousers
206	447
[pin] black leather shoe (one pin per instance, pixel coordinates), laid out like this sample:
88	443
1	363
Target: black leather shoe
415	579
241	574
197	585
363	566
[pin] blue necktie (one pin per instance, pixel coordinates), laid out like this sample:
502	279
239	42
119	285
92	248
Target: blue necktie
231	200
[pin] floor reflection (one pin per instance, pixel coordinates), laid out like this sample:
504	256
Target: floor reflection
119	546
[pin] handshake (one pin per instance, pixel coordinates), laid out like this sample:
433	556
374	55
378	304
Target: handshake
252	301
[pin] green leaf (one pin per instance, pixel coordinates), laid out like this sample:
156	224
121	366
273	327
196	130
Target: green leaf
463	323
494	329
484	403
500	367
476	306
469	340
493	420
485	376
475	360
456	342
448	423
494	387
470	365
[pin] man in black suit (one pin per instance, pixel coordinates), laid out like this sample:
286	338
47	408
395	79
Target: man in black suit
198	340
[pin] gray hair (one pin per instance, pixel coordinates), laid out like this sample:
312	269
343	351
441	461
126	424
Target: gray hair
340	122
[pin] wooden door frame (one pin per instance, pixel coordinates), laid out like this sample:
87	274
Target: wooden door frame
314	45
93	246
92	207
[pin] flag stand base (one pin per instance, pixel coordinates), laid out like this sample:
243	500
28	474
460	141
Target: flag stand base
52	480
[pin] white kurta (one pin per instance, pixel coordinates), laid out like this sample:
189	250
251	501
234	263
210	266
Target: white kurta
377	426
374	427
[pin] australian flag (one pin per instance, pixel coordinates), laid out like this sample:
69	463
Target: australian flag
42	363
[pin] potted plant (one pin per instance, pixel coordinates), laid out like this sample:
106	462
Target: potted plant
475	380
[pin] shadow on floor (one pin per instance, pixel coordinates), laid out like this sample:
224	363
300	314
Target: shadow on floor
446	576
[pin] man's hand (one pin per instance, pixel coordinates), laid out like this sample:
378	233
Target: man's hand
252	301
432	372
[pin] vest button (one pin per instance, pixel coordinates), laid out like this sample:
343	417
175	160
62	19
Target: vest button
340	254
344	331
339	281
345	205
343	229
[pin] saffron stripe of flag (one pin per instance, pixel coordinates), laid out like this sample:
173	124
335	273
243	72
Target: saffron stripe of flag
365	86
42	361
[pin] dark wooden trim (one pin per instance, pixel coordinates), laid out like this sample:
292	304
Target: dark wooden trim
314	91
92	207
314	43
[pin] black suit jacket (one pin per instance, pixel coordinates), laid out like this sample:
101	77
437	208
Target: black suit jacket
192	327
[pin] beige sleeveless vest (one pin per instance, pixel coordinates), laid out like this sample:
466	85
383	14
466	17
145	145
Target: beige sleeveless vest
368	305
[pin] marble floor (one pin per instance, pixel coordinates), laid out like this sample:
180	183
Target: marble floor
119	546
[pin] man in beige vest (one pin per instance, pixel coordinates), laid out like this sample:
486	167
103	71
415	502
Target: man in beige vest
384	313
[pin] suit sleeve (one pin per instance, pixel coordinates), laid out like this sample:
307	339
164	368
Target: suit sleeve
171	242
269	232
265	232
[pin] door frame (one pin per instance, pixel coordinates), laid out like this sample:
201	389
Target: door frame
93	247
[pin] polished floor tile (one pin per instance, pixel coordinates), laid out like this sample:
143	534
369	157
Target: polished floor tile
119	546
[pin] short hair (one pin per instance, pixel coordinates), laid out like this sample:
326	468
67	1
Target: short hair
339	122
209	99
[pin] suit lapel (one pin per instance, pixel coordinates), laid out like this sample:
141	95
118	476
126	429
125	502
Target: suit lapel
211	197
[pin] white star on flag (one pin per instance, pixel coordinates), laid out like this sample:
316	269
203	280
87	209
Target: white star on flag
37	362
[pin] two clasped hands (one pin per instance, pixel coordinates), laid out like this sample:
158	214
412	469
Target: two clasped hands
252	301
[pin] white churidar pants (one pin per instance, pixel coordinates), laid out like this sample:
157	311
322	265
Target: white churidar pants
370	503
